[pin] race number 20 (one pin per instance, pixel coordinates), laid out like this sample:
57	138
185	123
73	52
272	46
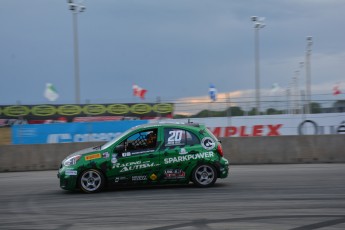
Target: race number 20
175	137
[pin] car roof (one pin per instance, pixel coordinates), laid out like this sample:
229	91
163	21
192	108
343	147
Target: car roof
169	124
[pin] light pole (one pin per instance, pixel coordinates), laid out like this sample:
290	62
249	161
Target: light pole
307	72
258	24
76	7
297	91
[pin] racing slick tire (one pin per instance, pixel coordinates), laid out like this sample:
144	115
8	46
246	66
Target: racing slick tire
91	181
204	175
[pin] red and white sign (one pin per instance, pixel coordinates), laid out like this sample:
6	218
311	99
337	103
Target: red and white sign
273	125
247	131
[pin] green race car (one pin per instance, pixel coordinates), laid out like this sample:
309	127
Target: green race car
159	153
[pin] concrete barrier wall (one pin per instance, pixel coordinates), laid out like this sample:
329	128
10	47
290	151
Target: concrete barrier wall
285	149
239	150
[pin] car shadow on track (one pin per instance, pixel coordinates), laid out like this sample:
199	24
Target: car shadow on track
125	188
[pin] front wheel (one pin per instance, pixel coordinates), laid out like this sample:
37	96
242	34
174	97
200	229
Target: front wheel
204	175
91	181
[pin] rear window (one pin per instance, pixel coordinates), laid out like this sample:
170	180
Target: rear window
212	135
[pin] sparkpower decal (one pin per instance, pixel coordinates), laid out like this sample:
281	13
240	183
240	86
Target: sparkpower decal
197	156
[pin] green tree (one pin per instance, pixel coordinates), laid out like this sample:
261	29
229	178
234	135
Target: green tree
272	111
234	111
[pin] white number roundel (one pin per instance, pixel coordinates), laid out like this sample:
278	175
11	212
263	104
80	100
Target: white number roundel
208	143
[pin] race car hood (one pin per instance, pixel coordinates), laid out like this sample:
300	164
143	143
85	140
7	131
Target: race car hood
84	151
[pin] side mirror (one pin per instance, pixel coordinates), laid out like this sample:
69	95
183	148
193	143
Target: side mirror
119	149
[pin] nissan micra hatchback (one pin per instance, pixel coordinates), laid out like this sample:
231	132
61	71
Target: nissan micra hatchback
161	153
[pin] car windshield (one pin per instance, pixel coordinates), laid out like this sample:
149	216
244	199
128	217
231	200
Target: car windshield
108	144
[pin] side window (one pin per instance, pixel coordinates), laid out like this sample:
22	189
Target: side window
179	137
192	139
140	142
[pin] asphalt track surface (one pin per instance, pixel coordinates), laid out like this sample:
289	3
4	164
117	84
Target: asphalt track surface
292	197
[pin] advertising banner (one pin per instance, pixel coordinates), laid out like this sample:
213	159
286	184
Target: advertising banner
247	126
274	125
48	113
70	132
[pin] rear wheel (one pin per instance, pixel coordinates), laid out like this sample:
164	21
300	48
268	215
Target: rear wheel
91	181
204	175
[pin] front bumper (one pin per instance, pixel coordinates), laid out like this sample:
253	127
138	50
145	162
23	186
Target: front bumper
68	178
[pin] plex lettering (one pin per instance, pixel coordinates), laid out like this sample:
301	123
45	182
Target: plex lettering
247	131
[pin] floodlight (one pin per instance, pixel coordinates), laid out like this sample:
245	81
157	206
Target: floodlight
72	6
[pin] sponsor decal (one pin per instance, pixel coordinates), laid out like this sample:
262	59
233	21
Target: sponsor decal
172	174
208	143
153	176
197	156
126	154
183	151
125	167
113	159
92	156
139	178
119	179
71	173
105	155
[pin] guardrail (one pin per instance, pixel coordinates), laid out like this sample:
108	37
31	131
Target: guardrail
248	150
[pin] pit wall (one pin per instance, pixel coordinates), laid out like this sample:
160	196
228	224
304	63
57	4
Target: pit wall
248	150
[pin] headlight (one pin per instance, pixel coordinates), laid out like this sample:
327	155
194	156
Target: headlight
71	160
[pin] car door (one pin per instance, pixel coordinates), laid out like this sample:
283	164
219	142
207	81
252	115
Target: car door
177	154
135	159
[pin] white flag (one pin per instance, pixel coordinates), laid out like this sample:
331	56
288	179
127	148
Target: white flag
275	89
50	92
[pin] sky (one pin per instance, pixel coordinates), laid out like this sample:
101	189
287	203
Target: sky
175	49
